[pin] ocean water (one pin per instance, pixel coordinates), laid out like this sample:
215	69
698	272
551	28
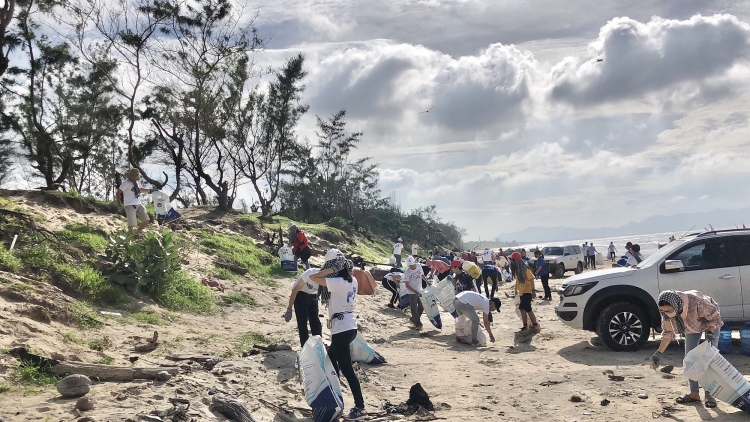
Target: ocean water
649	243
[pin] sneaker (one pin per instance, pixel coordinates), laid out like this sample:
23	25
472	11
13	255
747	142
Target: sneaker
536	328
356	414
390	305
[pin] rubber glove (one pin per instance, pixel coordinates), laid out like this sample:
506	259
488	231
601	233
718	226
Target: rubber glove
288	315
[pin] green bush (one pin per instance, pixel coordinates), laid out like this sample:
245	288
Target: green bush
241	251
37	258
341	224
181	292
150	259
223	274
8	261
90	282
231	298
29	373
90	237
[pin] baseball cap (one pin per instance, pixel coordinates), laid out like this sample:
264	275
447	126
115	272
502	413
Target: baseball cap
456	264
410	261
629	244
516	256
333	254
400	240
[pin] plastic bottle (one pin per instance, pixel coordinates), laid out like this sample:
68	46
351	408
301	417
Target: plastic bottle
745	339
725	341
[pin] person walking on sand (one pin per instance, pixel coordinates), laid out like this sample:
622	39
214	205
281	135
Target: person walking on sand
300	245
391	282
612	251
415	249
488	257
468	303
592	256
543	272
413	276
689	314
525	289
489	271
397	248
128	195
304	299
336	276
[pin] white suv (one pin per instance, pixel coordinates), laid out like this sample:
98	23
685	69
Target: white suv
619	304
561	259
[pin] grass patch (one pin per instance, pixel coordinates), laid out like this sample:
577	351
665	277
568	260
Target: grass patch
206	340
4	388
183	293
101	344
70	337
148	318
15	285
232	298
37	258
241	251
87	317
246	341
267	281
8	261
90	282
31	374
106	360
90	237
223	274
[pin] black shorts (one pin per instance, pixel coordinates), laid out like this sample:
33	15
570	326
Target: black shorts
305	254
526	302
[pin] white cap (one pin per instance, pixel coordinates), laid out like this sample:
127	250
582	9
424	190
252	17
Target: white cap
410	261
399	239
332	254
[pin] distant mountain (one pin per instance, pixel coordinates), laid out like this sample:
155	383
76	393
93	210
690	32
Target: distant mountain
655	224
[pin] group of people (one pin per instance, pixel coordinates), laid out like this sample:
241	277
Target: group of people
589	255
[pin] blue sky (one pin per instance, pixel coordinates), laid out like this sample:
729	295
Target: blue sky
529	128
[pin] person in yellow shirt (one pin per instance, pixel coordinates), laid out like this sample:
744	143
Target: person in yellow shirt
524	289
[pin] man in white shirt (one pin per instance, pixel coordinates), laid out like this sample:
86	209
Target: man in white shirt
488	257
413	276
415	249
128	195
612	251
397	248
468	303
585	250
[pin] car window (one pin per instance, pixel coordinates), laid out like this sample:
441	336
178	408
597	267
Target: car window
552	251
703	256
576	250
567	250
743	251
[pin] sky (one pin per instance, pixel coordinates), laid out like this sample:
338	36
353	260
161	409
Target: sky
580	113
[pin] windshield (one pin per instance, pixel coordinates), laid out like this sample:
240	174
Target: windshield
552	251
661	253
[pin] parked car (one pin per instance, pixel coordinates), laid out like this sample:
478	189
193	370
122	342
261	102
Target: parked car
561	259
619	304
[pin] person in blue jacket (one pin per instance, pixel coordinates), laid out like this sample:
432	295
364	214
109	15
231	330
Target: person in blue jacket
543	272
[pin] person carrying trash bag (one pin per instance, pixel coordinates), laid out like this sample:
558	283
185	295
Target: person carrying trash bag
413	276
300	245
468	303
336	276
304	299
689	314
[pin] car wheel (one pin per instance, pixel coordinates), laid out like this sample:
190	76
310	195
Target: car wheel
623	326
560	271
579	267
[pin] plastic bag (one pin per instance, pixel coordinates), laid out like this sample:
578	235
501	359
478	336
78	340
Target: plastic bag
322	387
463	331
288	260
717	376
362	352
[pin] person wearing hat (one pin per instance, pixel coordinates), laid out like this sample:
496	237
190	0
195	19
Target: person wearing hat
525	289
397	248
128	195
468	303
689	314
462	281
413	276
336	276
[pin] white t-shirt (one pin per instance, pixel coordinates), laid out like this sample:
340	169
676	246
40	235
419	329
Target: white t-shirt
309	286
611	248
487	255
479	302
389	276
129	197
343	294
585	250
414	278
397	248
414	249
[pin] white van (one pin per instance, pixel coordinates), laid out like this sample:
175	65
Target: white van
619	304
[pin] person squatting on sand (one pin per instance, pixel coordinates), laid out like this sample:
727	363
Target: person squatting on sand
390	282
128	195
525	289
300	245
336	276
413	276
689	314
468	303
304	299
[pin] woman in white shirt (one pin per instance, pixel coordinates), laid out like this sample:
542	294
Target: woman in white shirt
304	298
336	275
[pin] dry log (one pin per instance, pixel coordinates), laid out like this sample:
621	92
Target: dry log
151	345
200	359
109	373
272	347
231	408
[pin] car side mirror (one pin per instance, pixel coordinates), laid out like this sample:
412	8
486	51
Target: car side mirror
673	265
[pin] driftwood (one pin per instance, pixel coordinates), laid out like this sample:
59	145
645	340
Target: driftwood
109	373
272	347
200	359
150	345
231	408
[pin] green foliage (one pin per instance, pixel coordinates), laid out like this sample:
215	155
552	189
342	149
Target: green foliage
37	258
8	261
241	251
90	283
30	374
231	298
224	274
267	281
4	388
148	318
100	344
71	337
341	224
106	360
87	317
152	259
246	341
181	292
87	236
